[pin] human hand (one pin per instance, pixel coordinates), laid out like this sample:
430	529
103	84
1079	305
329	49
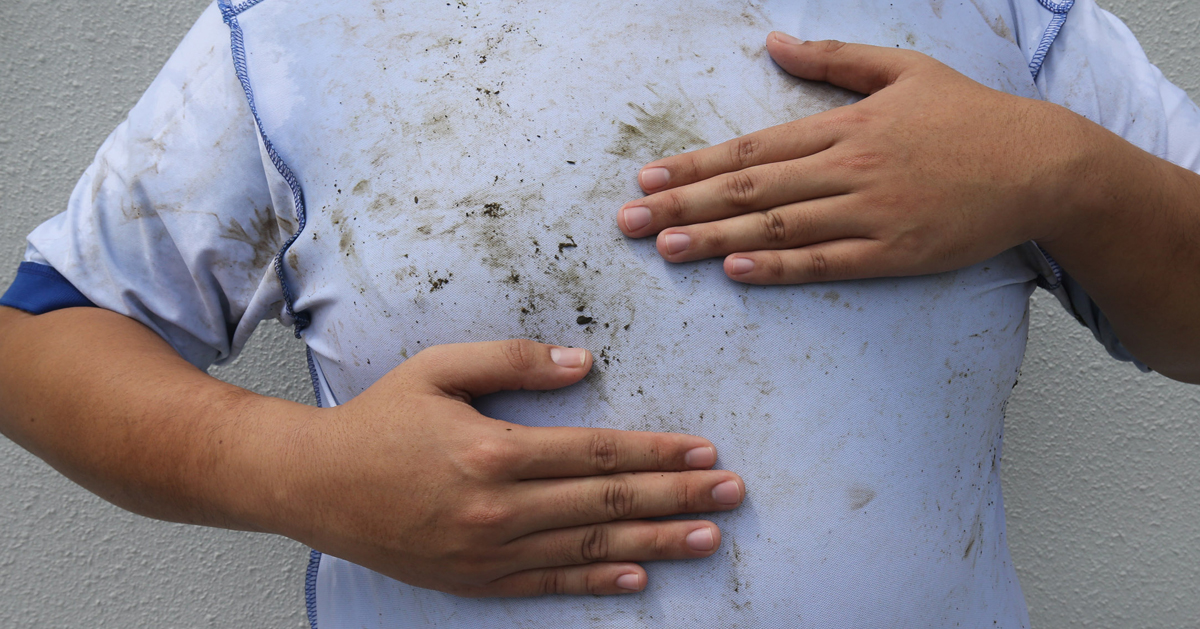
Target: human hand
930	172
408	479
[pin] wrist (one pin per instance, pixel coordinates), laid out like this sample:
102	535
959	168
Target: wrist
1093	177
256	462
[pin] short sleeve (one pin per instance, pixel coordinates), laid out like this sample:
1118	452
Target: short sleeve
173	224
1096	68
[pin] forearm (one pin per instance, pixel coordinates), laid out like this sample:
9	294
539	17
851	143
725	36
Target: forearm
1132	240
109	404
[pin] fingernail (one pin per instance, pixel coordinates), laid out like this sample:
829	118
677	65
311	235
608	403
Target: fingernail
740	266
635	217
568	356
787	39
727	493
700	539
631	581
700	457
676	243
654	178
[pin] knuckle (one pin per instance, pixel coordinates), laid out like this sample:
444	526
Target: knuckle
773	266
819	265
671	207
594	584
663	543
843	119
661	454
520	353
489	458
861	161
774	227
685	497
833	45
744	152
689	166
618	498
909	243
487	514
593	545
712	239
552	582
604	453
740	189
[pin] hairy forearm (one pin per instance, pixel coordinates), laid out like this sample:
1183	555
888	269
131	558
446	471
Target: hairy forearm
109	404
1131	240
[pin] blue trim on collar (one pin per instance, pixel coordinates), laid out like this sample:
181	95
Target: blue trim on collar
39	288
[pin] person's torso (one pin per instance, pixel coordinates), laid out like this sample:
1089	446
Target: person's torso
462	163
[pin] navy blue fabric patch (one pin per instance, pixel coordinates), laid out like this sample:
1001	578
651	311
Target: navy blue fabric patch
39	289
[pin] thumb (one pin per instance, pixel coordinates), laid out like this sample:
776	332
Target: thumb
859	67
469	370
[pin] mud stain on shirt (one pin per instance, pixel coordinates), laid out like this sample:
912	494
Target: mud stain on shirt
660	129
261	234
995	21
859	497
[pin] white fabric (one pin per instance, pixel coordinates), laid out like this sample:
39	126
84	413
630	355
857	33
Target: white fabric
173	223
461	164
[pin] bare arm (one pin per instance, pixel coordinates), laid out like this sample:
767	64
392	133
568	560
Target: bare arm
933	172
1132	240
109	404
406	479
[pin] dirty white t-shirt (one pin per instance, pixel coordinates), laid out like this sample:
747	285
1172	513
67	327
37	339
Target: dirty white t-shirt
424	172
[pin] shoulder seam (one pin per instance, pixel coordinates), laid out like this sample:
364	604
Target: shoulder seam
238	50
1059	9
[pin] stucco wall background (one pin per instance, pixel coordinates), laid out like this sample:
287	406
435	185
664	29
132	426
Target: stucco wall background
1100	472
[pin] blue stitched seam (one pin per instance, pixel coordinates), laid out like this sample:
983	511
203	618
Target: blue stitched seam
1059	9
237	45
239	8
1054	268
1051	5
310	587
312	375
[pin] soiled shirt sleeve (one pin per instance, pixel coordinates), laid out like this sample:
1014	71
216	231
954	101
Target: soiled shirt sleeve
1097	68
173	224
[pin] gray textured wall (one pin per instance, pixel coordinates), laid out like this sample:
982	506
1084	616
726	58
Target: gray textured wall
1101	479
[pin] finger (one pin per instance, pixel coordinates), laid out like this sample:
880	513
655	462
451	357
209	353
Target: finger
637	540
859	67
732	194
561	503
791	140
598	579
787	227
469	370
847	259
570	452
